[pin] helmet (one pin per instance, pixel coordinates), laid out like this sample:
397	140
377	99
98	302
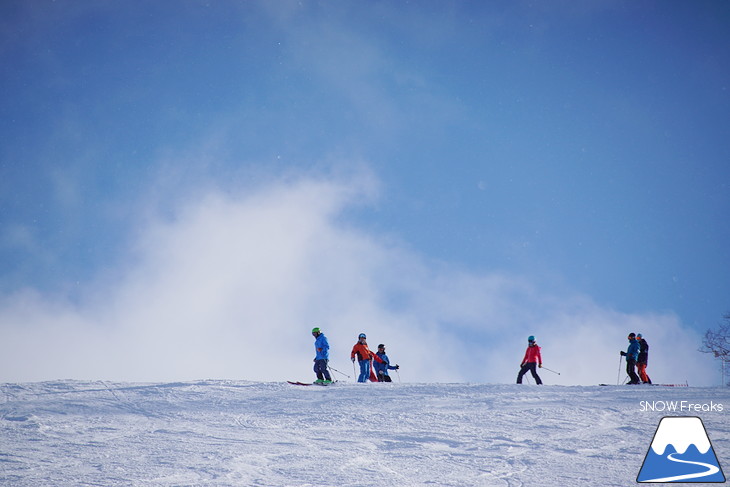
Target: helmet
362	335
315	330
381	346
639	335
531	338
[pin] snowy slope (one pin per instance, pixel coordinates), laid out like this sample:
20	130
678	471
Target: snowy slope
229	433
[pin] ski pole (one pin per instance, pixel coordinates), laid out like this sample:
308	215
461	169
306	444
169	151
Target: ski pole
550	370
618	376
335	370
396	371
353	369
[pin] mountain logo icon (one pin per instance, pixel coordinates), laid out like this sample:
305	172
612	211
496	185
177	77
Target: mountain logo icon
680	452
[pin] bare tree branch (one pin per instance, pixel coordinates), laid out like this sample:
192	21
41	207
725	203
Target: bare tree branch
717	342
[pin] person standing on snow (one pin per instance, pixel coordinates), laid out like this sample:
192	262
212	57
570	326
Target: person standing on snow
632	355
382	368
531	360
365	357
643	359
321	359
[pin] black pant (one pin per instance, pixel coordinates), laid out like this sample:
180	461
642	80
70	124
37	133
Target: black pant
320	368
532	367
383	378
631	370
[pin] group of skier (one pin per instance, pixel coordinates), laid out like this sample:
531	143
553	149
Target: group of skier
368	361
637	357
373	366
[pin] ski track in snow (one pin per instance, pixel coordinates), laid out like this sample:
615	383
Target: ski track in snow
711	470
235	433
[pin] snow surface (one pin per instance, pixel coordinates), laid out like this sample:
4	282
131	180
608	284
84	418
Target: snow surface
235	433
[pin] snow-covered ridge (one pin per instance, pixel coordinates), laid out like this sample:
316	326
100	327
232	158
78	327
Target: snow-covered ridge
680	432
237	433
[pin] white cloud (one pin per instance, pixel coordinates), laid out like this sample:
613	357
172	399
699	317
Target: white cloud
230	286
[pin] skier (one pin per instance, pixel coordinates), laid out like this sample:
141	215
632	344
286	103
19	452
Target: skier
365	358
321	359
632	355
532	358
382	368
643	359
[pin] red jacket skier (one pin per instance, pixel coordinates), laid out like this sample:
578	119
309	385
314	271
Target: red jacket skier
532	360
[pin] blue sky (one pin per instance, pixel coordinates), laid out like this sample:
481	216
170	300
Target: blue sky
532	156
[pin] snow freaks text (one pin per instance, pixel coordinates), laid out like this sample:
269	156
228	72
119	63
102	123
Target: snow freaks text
680	407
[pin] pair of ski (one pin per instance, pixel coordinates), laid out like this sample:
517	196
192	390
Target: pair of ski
297	383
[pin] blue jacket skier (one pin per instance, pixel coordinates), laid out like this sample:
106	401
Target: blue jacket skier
322	355
632	355
382	368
